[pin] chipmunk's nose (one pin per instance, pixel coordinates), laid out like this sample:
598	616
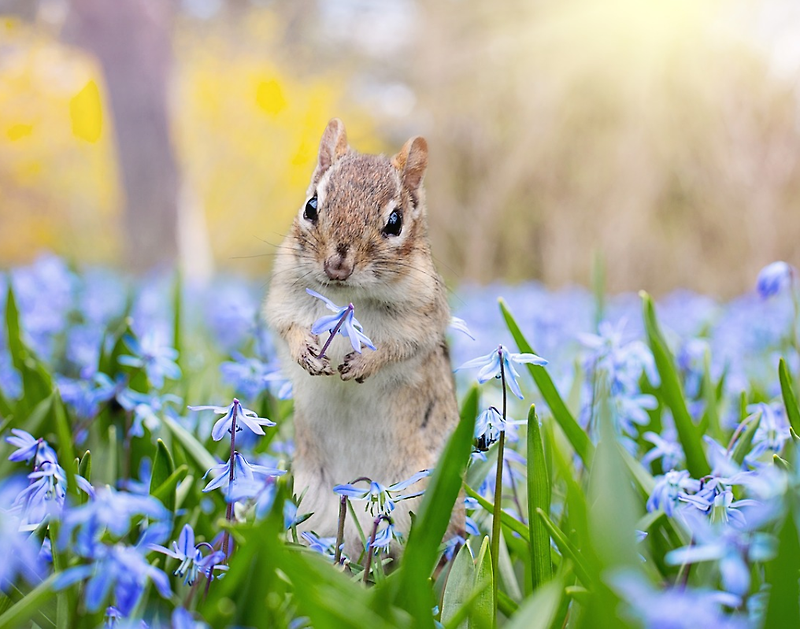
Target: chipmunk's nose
337	267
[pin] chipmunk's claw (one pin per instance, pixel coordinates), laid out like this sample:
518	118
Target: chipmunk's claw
312	363
354	367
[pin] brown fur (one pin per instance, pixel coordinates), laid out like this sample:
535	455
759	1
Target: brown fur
394	419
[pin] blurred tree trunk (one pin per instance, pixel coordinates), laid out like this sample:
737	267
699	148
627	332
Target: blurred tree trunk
131	40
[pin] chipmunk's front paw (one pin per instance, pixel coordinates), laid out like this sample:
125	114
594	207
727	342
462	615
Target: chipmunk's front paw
355	367
310	361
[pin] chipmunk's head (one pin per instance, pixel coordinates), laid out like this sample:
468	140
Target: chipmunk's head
362	224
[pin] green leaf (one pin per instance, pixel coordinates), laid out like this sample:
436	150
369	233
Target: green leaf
783	609
576	435
643	479
483	610
505	569
65	599
66	453
6	411
614	506
745	441
163	466
567	550
85	467
789	398
539	610
505	519
672	393
413	588
37	384
29	605
538	498
201	456
166	492
177	310
781	463
459	586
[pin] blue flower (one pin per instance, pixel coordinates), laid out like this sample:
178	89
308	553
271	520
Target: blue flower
85	396
670	452
243	474
183	619
378	495
193	559
247	375
145	409
732	549
19	550
385	535
120	567
322	545
29	447
150	354
490	366
774	278
488	426
44	496
668	490
349	327
244	416
673	608
772	431
108	511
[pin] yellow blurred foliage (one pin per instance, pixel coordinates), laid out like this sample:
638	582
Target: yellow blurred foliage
57	192
248	132
86	112
245	130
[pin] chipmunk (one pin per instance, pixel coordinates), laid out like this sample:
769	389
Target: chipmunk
361	238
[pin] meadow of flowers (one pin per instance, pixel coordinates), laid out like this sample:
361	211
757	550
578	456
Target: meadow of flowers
648	475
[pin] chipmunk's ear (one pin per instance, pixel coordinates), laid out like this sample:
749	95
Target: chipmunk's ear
332	146
411	161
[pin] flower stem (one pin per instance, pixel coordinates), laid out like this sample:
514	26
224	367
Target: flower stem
231	463
498	493
370	541
347	311
337	558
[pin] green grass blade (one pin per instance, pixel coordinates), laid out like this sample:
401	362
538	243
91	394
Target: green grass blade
201	456
539	610
783	609
460	584
672	392
538	498
745	442
642	478
576	435
414	591
29	605
567	550
85	467
166	491
37	383
66	453
163	466
177	313
483	610
789	398
506	520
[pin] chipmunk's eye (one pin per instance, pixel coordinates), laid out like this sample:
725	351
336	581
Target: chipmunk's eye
394	225
310	213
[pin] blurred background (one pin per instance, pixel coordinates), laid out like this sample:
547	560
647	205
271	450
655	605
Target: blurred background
661	138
